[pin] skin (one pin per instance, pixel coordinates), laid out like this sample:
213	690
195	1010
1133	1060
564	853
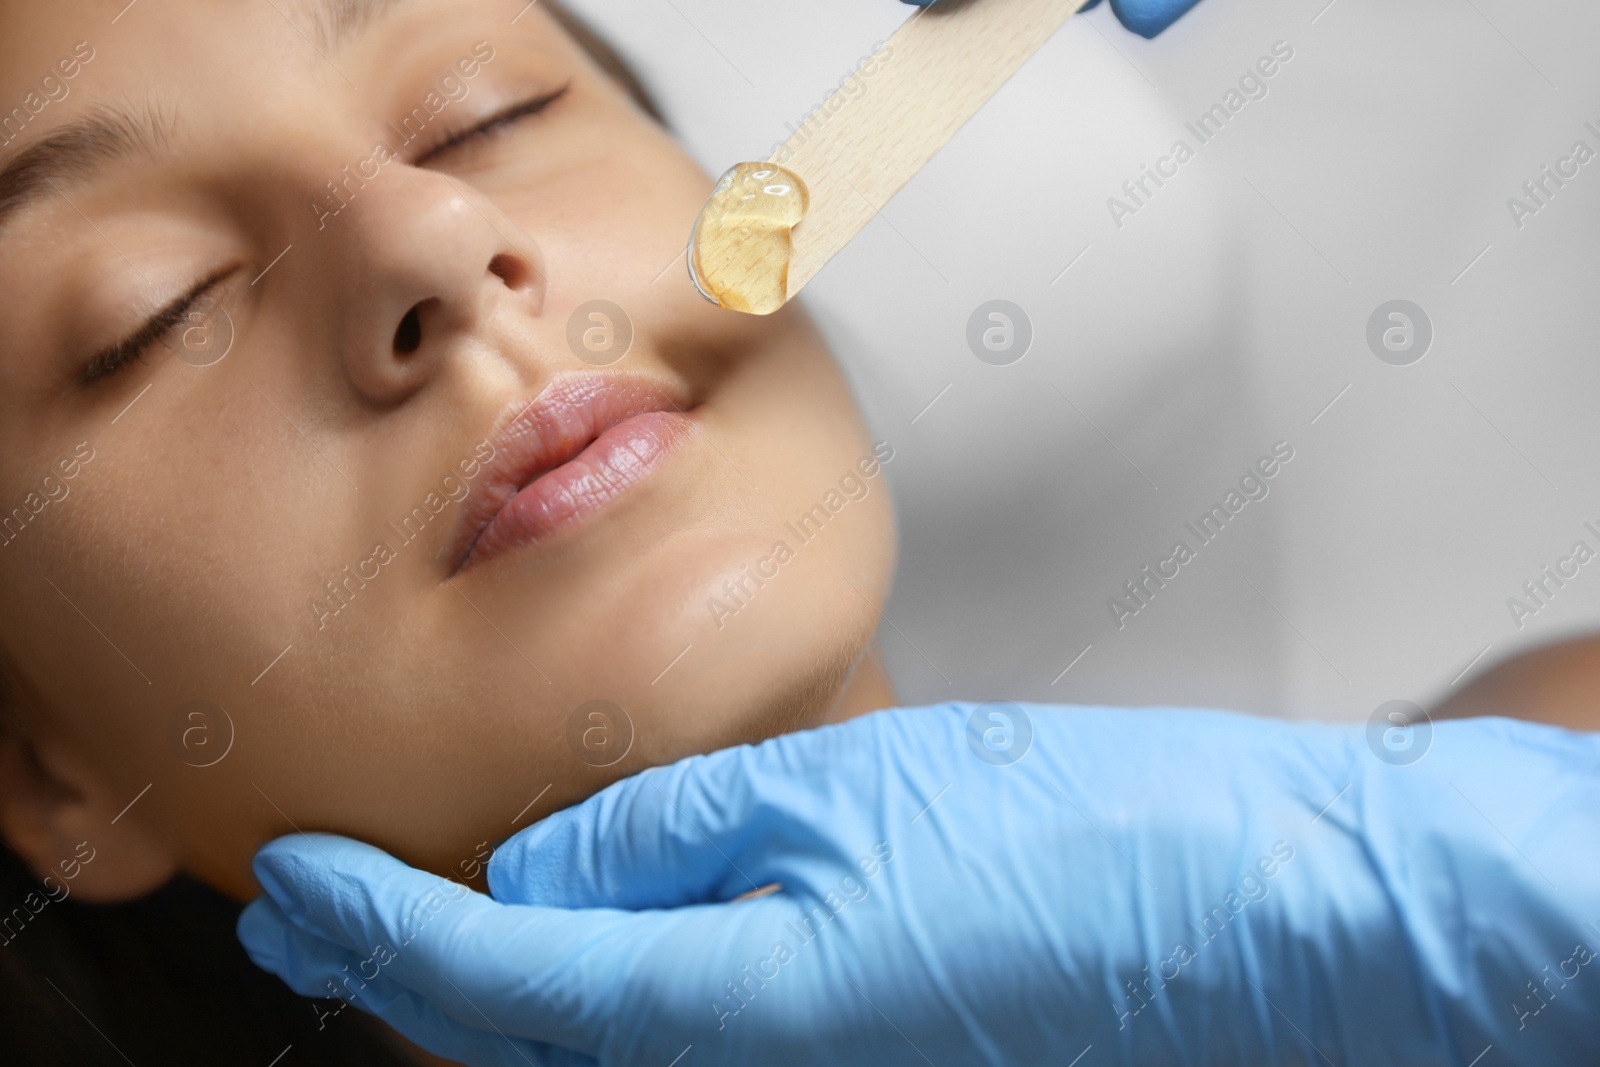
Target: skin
429	713
1555	683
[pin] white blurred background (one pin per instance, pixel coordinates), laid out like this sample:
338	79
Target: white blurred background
1223	317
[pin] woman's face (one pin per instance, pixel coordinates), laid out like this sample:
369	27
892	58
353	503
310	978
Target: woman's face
295	504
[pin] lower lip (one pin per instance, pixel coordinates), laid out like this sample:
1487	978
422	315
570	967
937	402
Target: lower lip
611	464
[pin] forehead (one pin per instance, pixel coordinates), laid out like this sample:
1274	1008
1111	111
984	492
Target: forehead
225	88
169	40
60	58
155	41
332	22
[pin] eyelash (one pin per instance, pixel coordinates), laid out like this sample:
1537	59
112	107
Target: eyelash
494	123
133	347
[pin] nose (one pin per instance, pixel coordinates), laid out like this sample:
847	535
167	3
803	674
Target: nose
424	264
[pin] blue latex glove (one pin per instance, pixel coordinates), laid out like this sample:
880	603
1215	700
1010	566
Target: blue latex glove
1140	887
1144	17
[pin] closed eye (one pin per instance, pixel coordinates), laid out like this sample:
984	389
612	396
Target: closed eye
493	123
133	347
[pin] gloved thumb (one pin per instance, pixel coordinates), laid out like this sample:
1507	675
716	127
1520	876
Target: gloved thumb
793	810
668	837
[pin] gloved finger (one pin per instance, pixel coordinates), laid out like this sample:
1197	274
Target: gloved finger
314	967
1148	18
710	828
358	896
447	943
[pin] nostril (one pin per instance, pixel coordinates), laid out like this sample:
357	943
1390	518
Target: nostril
512	270
408	337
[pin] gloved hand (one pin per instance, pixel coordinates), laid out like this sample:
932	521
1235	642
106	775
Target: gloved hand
1002	885
1144	17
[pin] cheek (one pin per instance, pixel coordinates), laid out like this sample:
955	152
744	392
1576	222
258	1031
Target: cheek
616	212
179	563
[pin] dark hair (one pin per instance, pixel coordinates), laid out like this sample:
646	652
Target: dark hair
164	979
157	980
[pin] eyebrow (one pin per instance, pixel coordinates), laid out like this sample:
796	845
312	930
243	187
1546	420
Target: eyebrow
76	150
111	134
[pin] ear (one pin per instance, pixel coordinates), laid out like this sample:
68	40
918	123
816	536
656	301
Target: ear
73	826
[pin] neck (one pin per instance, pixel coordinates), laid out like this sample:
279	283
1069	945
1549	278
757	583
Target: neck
868	689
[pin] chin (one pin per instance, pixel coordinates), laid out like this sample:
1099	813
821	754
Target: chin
768	674
795	693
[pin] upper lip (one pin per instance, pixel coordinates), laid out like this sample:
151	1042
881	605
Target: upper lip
532	437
